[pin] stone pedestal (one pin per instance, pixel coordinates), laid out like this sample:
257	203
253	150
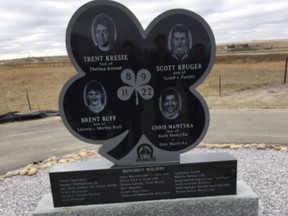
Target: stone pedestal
245	202
100	182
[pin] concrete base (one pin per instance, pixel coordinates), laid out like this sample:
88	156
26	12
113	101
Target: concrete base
245	203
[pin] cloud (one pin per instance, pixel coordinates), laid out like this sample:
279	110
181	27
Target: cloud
36	27
242	20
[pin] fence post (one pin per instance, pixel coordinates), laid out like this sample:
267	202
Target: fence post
220	84
28	100
285	74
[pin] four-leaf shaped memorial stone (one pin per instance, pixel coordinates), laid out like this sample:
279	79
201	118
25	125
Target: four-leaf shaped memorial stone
115	58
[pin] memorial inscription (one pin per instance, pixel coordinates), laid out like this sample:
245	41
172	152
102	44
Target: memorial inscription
137	87
188	179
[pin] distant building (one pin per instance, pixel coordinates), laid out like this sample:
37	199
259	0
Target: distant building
229	46
237	46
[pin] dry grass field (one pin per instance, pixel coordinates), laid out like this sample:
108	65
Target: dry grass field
248	81
255	46
42	84
246	86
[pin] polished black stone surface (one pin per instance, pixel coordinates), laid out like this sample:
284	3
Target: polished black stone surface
135	89
196	176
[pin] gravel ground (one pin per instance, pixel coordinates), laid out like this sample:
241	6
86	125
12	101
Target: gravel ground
264	170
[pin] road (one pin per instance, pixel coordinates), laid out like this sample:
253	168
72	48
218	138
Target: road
248	126
24	142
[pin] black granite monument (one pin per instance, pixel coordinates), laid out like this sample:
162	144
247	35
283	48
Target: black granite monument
135	93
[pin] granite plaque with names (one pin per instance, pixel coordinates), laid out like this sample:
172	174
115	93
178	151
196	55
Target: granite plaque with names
135	94
202	175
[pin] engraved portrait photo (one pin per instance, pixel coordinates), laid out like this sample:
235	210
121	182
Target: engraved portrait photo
103	32
180	42
170	103
94	96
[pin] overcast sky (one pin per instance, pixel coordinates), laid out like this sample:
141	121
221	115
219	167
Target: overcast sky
37	27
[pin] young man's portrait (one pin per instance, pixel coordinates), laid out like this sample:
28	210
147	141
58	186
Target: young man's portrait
170	103
94	96
103	32
180	42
